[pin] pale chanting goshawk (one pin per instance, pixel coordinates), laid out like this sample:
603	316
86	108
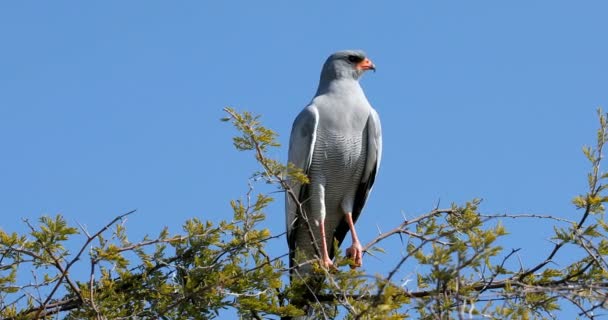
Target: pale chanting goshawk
337	141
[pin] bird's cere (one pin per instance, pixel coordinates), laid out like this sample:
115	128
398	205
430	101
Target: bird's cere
366	64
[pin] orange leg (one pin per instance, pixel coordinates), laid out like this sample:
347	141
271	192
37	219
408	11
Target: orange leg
356	250
325	260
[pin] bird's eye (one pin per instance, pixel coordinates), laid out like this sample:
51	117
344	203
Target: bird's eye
354	59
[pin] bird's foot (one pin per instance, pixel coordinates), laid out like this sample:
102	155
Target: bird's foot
326	263
355	252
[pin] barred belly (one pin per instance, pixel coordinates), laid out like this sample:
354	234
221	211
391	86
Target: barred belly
335	174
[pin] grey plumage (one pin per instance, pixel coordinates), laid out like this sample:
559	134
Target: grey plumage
337	141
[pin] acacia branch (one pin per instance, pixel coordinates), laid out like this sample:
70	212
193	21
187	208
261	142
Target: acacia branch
526	215
401	228
594	190
46	307
260	156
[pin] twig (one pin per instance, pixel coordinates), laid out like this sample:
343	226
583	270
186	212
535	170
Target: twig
400	229
526	215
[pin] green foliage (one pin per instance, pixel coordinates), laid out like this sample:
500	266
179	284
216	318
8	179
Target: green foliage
211	266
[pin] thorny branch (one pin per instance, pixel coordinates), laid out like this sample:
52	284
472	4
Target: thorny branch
269	173
281	177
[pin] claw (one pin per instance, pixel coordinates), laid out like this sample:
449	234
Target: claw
327	264
355	252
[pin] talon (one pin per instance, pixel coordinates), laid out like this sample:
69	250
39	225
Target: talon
328	264
355	252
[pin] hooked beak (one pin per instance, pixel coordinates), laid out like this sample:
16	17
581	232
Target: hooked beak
366	64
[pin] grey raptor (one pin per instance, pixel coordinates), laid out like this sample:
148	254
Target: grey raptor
337	141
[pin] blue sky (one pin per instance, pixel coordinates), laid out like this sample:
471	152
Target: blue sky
111	106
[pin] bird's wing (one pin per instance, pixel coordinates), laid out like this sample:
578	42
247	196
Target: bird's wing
372	163
301	146
374	147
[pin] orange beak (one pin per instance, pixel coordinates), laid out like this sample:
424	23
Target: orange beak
366	64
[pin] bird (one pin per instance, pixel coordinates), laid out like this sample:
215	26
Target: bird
336	140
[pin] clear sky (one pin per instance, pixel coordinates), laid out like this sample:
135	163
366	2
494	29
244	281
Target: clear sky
115	105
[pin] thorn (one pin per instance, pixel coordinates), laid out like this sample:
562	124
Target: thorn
372	254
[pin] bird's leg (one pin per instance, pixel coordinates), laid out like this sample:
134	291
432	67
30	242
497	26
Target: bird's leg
318	205
356	250
325	260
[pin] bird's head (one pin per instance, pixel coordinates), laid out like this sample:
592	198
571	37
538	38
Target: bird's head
346	64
